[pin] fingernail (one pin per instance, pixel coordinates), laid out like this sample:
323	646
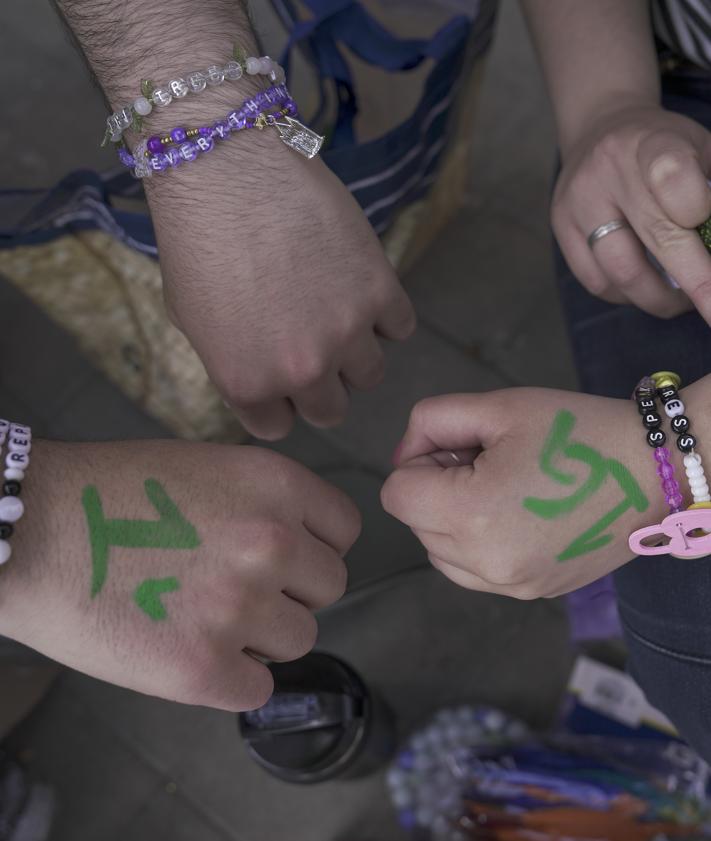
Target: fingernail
396	455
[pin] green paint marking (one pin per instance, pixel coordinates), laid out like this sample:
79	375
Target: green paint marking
558	443
170	531
148	596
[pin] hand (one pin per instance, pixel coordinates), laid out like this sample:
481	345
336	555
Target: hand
276	277
649	167
172	568
553	485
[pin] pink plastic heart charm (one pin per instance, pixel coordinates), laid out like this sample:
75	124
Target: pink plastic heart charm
682	535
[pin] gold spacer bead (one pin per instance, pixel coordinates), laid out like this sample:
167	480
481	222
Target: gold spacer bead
695	505
662	379
191	132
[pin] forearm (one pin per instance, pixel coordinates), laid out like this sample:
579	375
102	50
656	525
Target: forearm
597	57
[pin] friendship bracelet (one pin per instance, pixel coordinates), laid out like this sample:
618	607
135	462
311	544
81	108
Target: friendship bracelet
16	463
131	116
656	438
668	384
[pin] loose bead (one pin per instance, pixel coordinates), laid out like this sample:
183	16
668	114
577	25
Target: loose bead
6	531
14	473
233	71
253	66
652	420
161	97
11	509
646	405
11	488
19	445
680	424
686	443
154	145
142	106
5	552
656	438
205	144
673	408
197	81
179	88
19	460
662	454
215	75
159	162
188	151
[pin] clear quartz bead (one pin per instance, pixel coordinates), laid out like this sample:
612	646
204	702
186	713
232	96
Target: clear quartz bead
233	71
253	65
162	97
215	75
197	82
142	106
179	88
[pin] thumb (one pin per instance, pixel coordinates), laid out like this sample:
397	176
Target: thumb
453	422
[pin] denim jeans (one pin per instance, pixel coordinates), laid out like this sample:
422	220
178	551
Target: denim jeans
665	603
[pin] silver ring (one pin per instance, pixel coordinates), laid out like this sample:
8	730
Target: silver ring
608	228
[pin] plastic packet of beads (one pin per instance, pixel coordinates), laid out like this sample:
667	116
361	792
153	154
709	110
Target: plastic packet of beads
476	773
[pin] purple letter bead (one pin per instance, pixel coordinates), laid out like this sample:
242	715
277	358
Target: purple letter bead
158	162
291	107
236	120
221	129
154	145
205	144
173	156
662	454
178	135
188	151
665	471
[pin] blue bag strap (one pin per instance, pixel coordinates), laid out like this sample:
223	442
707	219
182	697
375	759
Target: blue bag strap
348	23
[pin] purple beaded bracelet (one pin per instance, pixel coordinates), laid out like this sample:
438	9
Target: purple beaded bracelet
156	154
645	394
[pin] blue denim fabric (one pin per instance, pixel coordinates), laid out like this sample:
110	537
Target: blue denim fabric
665	604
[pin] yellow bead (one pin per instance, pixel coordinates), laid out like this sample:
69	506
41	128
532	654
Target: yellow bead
662	379
699	505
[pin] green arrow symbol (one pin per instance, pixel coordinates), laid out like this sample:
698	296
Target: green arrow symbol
148	596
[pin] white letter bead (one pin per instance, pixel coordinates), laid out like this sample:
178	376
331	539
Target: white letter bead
14	473
19	460
253	66
23	431
142	106
11	509
692	459
4	424
178	88
674	408
5	552
19	445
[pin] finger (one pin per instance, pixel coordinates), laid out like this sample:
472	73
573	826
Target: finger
323	404
581	261
425	497
674	171
622	258
397	319
364	366
239	676
317	576
270	420
328	513
451	422
443	458
284	632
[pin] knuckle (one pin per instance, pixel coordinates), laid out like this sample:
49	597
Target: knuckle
304	367
666	167
303	638
267	540
665	235
626	270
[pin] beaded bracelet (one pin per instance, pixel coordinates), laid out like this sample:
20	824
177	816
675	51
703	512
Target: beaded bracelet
656	438
131	116
667	384
16	463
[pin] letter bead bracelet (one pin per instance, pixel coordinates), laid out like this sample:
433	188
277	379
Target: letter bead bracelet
131	116
684	533
17	460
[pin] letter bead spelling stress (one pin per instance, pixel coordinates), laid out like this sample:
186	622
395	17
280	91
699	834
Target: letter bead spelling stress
19	444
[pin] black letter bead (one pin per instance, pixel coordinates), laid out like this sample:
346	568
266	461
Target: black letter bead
668	393
645	406
680	424
652	420
12	488
686	443
5	531
656	438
